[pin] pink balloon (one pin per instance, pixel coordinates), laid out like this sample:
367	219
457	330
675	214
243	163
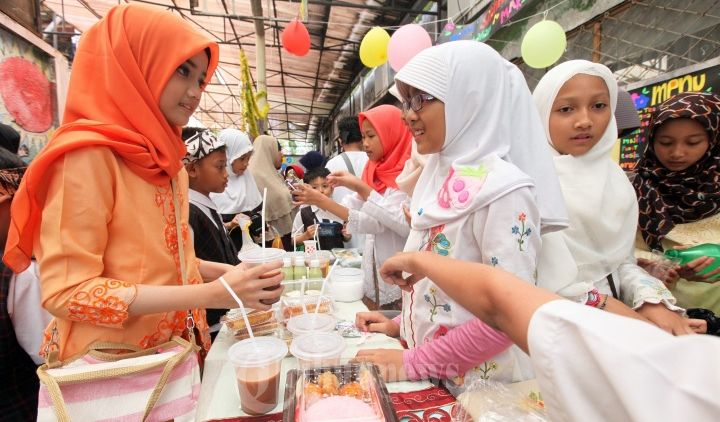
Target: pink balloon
405	43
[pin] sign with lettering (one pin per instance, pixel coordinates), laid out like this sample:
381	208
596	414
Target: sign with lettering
495	17
648	97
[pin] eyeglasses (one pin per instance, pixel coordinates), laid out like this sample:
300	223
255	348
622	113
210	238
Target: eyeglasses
416	102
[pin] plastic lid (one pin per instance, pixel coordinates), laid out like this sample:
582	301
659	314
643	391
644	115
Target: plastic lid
347	273
316	346
260	255
299	261
259	351
287	262
315	263
311	322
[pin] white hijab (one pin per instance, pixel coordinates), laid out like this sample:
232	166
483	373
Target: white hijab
490	121
599	197
241	193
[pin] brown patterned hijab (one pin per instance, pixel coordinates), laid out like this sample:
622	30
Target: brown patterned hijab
666	197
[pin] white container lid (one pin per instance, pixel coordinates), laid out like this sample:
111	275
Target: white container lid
311	322
287	262
299	261
259	351
315	263
344	274
317	346
261	255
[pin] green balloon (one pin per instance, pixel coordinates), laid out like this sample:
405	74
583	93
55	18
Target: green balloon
543	44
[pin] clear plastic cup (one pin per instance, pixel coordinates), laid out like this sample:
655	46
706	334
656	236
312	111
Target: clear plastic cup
258	256
310	246
317	349
311	322
257	368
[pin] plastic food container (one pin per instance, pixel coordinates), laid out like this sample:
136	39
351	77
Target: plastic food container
317	349
352	392
347	284
292	305
311	323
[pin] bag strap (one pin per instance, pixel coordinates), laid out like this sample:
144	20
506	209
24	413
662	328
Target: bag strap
613	289
348	163
190	320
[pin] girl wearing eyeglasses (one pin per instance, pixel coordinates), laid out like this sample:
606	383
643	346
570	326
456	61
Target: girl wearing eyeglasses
486	194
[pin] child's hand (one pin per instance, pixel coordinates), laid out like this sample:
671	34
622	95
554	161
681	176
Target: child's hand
345	234
670	321
388	361
394	267
249	286
306	195
691	271
310	232
345	179
375	322
668	275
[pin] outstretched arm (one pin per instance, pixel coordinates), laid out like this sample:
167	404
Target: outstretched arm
489	293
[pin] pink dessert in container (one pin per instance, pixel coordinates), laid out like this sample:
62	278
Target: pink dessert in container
353	392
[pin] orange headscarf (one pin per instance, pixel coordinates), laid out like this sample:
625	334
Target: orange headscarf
396	141
119	72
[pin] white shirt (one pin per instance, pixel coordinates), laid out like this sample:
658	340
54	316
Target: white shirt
595	366
358	159
381	219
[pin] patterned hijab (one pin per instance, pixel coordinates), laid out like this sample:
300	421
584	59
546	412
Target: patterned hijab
666	197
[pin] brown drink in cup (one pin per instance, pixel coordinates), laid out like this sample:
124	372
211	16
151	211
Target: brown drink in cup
257	368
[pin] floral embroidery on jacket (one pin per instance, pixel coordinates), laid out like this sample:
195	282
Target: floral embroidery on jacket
494	261
105	304
439	243
521	232
432	300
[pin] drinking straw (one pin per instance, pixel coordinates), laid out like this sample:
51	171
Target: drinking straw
322	288
240	304
263	219
302	294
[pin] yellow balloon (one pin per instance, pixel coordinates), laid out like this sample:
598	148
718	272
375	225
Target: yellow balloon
543	44
373	48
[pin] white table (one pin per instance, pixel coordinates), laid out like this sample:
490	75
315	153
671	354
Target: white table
219	395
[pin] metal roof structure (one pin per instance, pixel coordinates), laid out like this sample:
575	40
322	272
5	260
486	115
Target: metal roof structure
302	91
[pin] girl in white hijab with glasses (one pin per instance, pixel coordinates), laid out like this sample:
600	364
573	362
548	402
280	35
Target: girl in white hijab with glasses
486	193
576	101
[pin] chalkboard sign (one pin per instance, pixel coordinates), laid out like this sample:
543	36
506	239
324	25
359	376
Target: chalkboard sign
648	97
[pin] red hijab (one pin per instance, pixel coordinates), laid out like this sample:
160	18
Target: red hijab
119	72
396	141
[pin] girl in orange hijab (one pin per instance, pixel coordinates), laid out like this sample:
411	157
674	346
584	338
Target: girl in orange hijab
98	206
376	208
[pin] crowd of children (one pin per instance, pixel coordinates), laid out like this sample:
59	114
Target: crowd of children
132	228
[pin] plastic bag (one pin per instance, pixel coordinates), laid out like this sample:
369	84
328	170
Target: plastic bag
490	401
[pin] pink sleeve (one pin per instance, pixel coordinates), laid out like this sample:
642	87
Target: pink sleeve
398	319
458	351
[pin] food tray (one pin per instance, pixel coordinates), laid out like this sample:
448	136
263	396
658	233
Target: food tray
374	391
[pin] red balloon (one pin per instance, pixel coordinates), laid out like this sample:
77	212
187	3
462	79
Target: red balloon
295	38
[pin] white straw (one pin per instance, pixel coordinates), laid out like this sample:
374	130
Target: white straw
322	288
302	294
263	219
239	302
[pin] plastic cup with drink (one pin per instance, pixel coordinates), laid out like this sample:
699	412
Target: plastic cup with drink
254	257
257	363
